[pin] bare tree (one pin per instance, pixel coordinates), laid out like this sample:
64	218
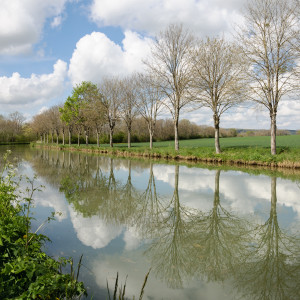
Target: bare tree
268	40
96	113
149	102
110	90
18	120
40	125
170	66
54	120
129	103
218	80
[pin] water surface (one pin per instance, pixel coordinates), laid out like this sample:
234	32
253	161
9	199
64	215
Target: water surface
206	233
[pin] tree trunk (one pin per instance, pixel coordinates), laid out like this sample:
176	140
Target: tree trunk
41	138
70	138
47	138
111	131
56	138
52	134
150	129
273	133
129	137
86	137
98	144
44	134
151	139
217	133
176	134
78	139
63	137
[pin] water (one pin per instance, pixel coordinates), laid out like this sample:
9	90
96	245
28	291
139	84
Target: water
206	233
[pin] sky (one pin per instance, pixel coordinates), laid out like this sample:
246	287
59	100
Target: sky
47	47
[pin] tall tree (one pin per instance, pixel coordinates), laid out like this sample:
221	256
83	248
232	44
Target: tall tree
110	90
170	66
17	120
149	102
40	125
268	39
55	122
218	78
129	103
76	107
96	113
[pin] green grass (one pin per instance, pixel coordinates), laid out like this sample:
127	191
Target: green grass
291	141
238	150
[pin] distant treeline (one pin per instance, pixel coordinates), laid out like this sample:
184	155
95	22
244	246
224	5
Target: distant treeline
13	129
165	132
187	130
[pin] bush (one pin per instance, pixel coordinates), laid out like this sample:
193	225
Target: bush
120	137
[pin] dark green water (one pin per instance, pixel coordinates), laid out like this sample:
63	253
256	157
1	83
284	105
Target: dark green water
206	233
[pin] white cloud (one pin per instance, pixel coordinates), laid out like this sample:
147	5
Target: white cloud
96	56
202	16
250	117
18	93
22	22
56	21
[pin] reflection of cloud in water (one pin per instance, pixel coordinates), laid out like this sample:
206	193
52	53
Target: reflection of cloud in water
48	197
242	192
134	265
93	231
131	239
53	199
288	194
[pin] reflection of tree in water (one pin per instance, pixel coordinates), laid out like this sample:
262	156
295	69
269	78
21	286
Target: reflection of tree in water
121	202
219	240
192	243
90	190
49	165
170	251
272	268
150	208
87	187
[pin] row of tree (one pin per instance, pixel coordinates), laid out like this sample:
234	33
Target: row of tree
261	65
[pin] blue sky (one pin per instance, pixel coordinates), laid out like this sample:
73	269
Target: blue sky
48	46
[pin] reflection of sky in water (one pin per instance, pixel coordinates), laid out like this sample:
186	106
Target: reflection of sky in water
109	248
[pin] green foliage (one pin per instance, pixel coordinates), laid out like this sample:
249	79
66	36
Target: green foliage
120	137
77	105
25	271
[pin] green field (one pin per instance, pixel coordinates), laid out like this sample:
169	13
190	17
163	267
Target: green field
236	150
290	141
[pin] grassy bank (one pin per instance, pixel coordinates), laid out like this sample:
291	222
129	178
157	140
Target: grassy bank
252	151
26	272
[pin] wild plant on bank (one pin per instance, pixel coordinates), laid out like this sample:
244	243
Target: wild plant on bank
25	271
